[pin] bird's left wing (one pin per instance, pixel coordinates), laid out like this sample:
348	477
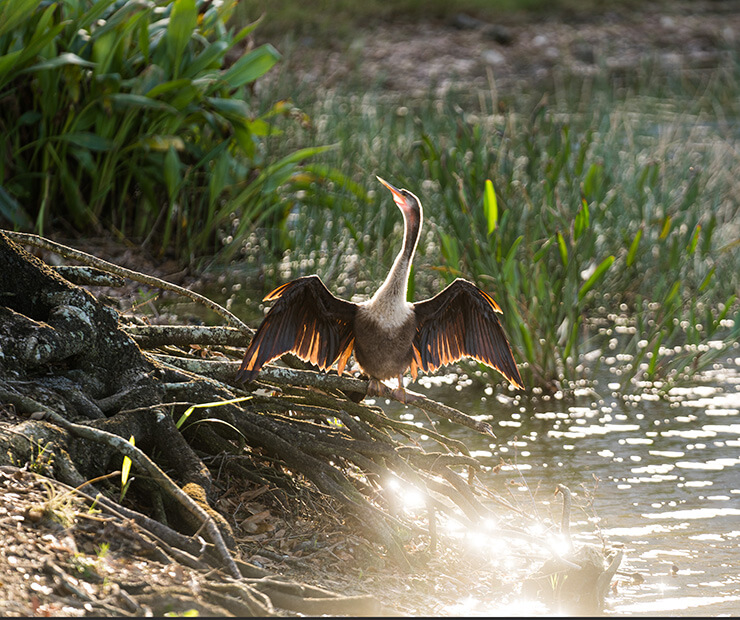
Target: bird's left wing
461	322
306	320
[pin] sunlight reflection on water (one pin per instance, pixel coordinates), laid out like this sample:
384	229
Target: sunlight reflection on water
655	459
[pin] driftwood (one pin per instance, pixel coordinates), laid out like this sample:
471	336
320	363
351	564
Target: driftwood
85	383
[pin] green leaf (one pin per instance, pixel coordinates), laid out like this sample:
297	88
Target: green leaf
595	276
190	410
490	206
673	292
218	178
172	174
213	54
59	61
542	251
633	248
9	61
563	249
161	143
140	101
694	239
666	227
527	340
183	20
14	12
411	285
87	140
165	87
12	211
582	221
251	66
126	466
593	181
707	279
450	249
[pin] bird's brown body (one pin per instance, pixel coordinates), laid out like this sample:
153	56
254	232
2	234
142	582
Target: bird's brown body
387	334
383	351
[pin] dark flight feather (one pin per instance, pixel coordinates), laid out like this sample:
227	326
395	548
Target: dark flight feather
306	320
461	322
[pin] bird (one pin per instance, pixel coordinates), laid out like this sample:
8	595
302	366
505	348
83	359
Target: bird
387	334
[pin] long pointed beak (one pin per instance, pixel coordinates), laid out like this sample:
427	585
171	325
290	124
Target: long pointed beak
398	197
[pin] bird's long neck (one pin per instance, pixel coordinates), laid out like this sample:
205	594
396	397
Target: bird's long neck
395	287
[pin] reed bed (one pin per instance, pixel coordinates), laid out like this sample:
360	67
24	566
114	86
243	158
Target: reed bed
608	215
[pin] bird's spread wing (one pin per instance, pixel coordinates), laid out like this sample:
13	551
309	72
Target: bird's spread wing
461	322
306	320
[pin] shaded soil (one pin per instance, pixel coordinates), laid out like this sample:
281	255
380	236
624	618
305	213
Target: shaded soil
471	55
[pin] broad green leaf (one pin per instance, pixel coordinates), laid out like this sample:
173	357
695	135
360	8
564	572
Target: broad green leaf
251	66
450	249
8	62
162	143
237	108
87	140
140	101
14	12
411	290
213	54
633	248
244	32
490	206
595	276
183	20
166	87
527	340
58	61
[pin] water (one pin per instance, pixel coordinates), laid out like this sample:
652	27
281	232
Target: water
668	488
662	475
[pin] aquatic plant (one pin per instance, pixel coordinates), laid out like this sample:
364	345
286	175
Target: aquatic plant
621	210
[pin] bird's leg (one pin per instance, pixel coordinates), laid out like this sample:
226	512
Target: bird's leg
376	387
399	393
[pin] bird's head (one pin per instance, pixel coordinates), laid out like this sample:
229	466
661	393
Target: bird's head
409	204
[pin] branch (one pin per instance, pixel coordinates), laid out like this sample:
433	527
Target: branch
94	261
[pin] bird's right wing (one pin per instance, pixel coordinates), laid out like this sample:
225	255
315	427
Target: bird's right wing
306	320
459	322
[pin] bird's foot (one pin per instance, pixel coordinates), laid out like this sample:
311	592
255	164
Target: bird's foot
378	388
405	396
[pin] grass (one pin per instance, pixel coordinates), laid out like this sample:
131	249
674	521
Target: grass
621	205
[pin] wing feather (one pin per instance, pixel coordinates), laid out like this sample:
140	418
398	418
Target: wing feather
461	322
306	320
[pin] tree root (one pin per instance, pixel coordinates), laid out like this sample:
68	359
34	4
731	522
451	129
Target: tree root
85	386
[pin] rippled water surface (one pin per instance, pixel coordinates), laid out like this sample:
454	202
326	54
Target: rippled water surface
664	476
